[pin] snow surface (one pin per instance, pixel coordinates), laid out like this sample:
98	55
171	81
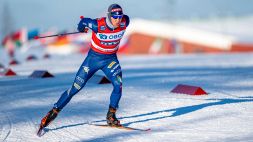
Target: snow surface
224	115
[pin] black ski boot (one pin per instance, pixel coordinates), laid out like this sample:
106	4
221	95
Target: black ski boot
111	117
51	115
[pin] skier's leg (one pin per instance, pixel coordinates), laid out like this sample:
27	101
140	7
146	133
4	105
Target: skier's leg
82	76
84	73
114	74
117	90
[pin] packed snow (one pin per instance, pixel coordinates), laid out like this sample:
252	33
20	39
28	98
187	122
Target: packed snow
224	115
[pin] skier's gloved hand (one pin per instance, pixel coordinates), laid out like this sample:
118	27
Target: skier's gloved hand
83	30
82	26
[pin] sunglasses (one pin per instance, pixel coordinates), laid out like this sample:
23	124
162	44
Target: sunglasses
117	16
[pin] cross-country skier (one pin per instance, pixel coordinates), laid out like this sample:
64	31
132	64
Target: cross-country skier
106	35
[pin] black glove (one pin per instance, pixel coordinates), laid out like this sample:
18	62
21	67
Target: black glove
82	26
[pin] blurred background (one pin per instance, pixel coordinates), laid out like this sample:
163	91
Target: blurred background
157	27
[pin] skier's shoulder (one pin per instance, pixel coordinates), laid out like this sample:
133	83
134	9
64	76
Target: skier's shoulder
100	19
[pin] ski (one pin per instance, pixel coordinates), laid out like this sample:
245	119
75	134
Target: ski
120	127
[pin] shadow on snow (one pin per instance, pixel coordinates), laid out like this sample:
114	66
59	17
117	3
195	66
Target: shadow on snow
175	111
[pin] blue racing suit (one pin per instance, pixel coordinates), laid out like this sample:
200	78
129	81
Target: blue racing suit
94	61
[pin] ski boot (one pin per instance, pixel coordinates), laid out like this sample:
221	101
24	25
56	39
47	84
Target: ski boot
111	118
51	115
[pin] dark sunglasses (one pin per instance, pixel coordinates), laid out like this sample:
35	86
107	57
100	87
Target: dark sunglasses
117	16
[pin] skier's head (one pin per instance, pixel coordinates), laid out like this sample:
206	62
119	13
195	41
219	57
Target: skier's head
115	14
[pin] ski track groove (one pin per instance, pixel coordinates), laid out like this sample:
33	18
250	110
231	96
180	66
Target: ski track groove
1	127
10	128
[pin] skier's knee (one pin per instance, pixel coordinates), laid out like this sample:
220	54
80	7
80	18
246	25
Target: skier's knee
117	84
118	88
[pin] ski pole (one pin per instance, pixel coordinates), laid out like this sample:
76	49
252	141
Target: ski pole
37	37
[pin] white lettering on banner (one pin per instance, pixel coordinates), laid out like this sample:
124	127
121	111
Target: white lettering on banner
110	36
103	49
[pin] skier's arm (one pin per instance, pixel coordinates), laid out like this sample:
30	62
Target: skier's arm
87	23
